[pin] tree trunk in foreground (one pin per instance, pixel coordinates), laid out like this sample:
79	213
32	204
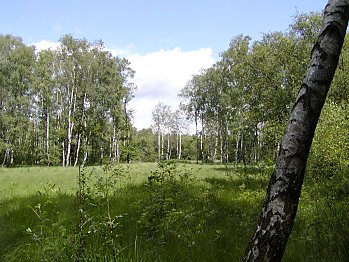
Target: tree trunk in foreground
281	202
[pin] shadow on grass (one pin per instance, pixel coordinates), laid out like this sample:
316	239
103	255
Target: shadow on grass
17	216
245	169
208	221
201	225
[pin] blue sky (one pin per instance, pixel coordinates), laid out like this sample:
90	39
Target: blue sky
174	38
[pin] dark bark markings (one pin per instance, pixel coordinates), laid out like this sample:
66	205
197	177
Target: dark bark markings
280	206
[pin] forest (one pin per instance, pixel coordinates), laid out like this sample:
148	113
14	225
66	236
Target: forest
69	106
170	189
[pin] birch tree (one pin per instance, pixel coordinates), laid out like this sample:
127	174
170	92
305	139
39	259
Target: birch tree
280	206
44	85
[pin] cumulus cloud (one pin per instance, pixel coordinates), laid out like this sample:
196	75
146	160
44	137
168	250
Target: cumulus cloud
121	51
44	45
161	75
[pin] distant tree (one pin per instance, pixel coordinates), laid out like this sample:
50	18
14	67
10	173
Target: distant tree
146	145
44	85
17	139
180	127
281	202
193	97
160	125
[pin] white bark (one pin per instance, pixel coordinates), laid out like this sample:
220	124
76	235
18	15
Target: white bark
48	138
281	202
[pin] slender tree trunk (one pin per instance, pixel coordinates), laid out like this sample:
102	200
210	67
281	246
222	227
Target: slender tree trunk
69	140
215	148
116	156
39	143
117	149
221	144
47	137
210	148
168	156
177	144
256	145
111	149
237	147
202	138
226	144
159	146
77	150
6	156
4	160
162	145
11	157
70	126
197	137
101	155
85	158
114	148
180	147
281	202
86	148
63	154
242	148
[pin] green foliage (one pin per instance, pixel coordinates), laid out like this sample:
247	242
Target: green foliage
146	144
66	106
241	103
166	187
329	153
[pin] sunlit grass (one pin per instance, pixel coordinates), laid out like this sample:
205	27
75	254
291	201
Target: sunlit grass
208	216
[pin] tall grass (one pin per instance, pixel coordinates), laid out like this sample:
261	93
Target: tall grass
146	212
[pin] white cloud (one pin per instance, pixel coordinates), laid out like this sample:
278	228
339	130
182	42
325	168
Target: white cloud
121	51
160	76
44	45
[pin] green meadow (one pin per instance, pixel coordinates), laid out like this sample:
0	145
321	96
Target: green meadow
165	212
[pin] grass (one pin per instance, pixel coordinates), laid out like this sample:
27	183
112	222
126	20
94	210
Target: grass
145	212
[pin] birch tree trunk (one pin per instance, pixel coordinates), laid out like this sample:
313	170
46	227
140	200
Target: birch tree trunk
177	144
6	156
77	151
116	153
202	138
63	154
70	126
159	146
11	156
237	147
215	148
197	137
48	137
86	147
162	145
180	147
281	202
168	155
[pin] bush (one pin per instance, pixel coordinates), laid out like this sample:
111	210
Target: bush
329	152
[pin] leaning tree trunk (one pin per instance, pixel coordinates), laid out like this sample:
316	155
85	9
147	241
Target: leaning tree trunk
281	202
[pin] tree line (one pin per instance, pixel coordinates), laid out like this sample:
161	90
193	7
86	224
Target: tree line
241	104
69	106
66	106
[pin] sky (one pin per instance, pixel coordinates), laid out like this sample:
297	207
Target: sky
166	41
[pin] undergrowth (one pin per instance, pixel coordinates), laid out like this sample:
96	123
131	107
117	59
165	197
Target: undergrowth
176	214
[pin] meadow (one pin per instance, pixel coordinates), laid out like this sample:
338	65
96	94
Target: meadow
165	212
